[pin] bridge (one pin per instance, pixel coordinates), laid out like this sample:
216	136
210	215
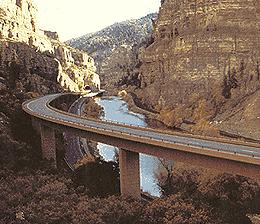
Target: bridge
229	156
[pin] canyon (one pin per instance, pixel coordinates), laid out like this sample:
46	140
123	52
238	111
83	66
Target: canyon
197	67
115	48
185	76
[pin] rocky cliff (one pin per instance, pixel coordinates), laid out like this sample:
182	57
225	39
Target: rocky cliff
115	48
203	52
72	68
32	63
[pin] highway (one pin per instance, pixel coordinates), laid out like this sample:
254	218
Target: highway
74	151
41	109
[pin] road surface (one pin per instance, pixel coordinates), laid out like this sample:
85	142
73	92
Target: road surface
40	108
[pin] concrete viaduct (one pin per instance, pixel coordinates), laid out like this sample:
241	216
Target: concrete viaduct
233	157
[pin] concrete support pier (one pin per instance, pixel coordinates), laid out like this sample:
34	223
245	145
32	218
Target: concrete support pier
129	174
48	144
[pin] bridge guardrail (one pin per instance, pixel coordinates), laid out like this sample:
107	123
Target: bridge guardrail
207	138
120	132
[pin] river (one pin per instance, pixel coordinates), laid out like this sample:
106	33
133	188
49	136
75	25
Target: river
116	109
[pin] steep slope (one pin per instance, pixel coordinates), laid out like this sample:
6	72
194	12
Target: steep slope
115	47
32	63
204	59
18	20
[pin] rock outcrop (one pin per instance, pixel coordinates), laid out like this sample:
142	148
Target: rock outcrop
18	22
72	68
115	48
31	62
197	45
202	53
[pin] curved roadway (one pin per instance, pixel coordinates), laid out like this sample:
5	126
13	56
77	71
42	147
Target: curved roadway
40	108
74	151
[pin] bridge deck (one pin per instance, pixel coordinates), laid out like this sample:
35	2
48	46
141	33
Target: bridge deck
146	138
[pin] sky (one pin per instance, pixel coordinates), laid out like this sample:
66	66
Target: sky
78	17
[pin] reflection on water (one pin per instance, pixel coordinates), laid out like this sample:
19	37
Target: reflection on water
116	109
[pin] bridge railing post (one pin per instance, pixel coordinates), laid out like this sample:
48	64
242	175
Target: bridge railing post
129	174
48	144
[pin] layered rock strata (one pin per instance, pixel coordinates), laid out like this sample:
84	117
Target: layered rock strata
202	47
72	68
204	59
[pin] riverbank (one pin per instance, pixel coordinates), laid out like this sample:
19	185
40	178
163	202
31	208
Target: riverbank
116	110
151	118
153	121
92	109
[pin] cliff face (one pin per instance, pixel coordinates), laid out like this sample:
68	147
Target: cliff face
202	50
32	63
18	22
197	45
72	68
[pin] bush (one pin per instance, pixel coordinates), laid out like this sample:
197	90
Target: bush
99	177
232	197
229	197
182	181
48	198
175	210
113	210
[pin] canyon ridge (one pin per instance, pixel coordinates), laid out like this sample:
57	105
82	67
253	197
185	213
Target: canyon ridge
199	65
